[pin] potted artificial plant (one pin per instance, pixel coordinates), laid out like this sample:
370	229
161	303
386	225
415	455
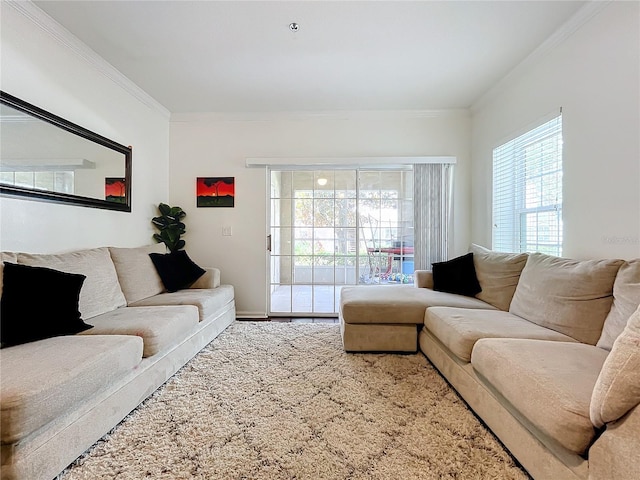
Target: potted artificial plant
170	226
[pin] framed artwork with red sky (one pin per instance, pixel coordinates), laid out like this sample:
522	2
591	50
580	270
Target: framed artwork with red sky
115	190
215	191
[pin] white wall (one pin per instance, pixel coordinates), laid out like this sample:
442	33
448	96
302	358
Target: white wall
44	70
594	75
207	145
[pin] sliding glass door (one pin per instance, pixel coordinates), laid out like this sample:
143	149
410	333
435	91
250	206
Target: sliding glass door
331	228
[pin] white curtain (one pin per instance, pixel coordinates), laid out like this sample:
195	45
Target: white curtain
432	212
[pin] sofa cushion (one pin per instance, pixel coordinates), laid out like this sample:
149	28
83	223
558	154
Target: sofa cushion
38	303
138	277
626	298
618	387
159	327
208	301
176	270
397	303
459	329
498	274
6	257
63	373
457	275
547	383
101	291
570	296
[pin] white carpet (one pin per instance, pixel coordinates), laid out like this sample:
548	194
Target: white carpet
283	401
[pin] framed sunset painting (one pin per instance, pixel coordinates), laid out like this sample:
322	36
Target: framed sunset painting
215	191
115	190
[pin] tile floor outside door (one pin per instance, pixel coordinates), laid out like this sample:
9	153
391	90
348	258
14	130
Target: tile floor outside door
306	299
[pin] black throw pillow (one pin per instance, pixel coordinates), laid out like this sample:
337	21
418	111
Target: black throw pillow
457	275
176	270
38	303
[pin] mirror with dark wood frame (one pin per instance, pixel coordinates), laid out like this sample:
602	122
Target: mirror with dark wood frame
45	157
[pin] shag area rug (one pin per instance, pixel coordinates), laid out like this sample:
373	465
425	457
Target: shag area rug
284	401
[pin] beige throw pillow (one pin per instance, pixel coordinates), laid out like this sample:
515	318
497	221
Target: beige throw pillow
617	389
626	298
498	274
138	277
569	296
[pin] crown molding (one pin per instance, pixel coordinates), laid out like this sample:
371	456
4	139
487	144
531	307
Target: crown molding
73	44
572	25
196	117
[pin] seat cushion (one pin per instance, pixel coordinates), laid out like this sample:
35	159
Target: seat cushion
459	329
208	301
570	296
136	273
626	298
159	327
397	303
101	291
498	274
63	372
548	383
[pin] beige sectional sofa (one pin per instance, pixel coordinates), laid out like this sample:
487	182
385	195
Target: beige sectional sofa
59	395
546	348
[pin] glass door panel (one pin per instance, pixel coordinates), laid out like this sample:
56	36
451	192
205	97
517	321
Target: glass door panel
331	228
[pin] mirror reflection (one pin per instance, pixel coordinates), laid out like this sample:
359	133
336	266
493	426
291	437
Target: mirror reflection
47	157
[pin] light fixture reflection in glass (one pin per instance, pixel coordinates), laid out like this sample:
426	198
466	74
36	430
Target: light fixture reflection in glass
322	182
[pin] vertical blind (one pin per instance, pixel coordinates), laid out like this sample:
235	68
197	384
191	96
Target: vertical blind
432	211
527	191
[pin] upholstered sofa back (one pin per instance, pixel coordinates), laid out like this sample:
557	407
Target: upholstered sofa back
589	300
100	292
115	277
138	277
498	274
569	296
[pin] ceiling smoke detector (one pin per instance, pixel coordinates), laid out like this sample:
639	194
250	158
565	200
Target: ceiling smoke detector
294	27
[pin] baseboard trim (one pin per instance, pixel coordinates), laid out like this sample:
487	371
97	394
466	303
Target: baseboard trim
251	315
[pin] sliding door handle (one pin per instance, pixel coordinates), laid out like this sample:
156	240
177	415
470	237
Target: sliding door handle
268	243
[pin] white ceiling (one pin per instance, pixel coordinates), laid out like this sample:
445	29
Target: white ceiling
240	56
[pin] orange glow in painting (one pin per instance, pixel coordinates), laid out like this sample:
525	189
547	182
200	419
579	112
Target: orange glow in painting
215	191
215	186
114	187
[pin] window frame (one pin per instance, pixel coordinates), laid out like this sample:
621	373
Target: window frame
510	182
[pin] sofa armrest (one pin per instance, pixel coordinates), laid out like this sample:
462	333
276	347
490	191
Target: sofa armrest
615	453
211	279
423	278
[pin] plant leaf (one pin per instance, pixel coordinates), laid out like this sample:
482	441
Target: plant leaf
164	209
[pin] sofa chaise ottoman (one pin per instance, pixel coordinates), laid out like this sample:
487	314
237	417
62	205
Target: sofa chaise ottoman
387	318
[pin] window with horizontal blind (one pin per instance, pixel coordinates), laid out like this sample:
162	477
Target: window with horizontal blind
527	191
60	181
